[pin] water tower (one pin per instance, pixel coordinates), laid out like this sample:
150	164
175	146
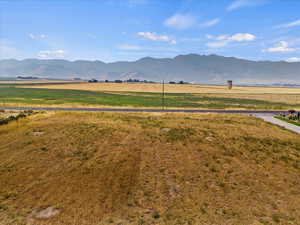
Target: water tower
229	83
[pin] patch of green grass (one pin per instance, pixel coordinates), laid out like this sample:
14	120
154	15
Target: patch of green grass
52	97
8	195
295	122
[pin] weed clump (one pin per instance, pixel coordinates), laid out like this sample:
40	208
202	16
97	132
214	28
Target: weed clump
4	121
155	215
180	134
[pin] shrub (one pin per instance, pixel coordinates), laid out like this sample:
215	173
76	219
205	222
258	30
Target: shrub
155	215
3	121
13	118
292	117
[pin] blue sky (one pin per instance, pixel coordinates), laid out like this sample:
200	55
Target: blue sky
114	30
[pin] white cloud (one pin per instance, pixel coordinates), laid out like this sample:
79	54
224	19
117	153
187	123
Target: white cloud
223	40
293	59
282	47
130	47
46	54
208	36
222	37
37	36
288	25
245	3
243	37
210	23
180	21
32	36
155	37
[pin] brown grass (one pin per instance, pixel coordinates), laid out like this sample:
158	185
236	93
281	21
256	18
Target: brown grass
171	88
105	168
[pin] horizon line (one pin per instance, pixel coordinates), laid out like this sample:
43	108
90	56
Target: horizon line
98	60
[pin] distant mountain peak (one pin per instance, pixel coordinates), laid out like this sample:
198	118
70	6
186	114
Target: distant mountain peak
147	58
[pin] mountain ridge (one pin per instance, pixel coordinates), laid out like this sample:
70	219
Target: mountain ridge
190	67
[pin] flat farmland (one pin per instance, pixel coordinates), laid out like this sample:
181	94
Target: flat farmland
173	88
149	96
13	96
290	95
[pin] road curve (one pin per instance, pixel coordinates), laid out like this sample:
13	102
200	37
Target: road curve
145	110
271	119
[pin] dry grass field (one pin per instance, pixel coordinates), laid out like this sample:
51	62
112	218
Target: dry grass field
290	95
163	169
174	88
37	97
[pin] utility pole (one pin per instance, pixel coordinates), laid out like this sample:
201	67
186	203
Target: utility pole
163	95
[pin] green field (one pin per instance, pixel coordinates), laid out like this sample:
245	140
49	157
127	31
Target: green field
60	97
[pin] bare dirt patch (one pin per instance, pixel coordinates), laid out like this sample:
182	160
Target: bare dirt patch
46	213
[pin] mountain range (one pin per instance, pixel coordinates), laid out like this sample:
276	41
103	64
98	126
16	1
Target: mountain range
191	68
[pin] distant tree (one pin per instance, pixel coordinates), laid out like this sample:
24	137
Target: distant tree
133	80
27	77
292	111
118	81
172	82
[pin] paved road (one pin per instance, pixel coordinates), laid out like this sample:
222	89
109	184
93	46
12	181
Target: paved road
145	110
271	119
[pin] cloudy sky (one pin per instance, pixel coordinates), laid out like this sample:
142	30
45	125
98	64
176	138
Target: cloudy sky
113	30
